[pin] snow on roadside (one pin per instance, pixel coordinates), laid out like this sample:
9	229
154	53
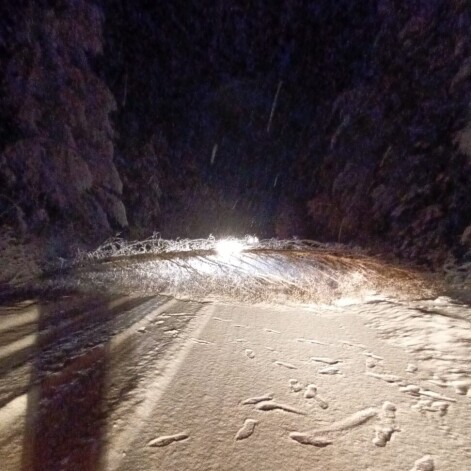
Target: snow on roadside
436	331
20	260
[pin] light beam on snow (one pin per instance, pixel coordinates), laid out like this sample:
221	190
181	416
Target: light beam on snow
240	269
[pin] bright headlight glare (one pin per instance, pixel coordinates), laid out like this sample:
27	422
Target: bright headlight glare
251	240
227	247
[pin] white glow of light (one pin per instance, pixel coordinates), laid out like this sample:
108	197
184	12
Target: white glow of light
226	247
251	240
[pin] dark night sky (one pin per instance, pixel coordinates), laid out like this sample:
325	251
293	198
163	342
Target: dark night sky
111	111
208	75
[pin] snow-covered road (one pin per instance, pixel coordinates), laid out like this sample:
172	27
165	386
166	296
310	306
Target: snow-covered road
267	388
133	383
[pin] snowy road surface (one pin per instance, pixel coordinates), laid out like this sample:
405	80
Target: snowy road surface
128	383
